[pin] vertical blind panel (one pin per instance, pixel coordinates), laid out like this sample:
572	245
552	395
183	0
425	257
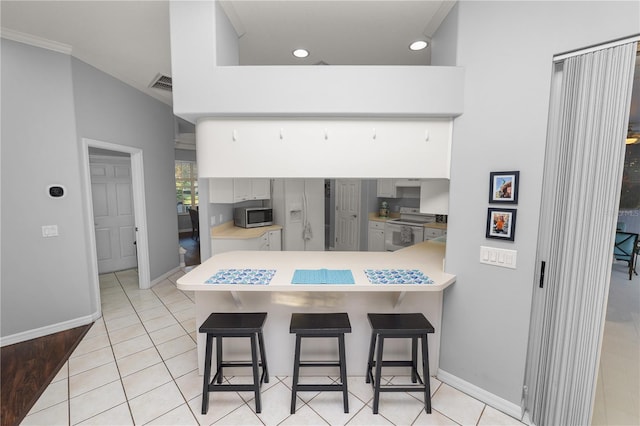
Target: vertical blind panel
583	171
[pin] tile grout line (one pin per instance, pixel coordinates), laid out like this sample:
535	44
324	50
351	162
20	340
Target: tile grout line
173	379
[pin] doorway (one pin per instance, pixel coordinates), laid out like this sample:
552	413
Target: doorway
347	219
591	94
137	196
113	218
617	398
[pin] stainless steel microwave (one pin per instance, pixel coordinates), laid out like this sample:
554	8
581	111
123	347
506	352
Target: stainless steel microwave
252	217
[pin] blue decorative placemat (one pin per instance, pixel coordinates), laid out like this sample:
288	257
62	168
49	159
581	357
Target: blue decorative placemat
242	276
397	276
322	276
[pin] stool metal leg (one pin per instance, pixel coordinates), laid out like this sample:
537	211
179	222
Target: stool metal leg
372	347
256	375
425	373
219	358
377	378
207	374
343	373
296	373
263	357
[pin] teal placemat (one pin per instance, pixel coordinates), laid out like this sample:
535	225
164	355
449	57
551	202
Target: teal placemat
242	276
322	276
397	276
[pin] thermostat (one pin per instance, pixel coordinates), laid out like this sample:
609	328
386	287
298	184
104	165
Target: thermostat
56	191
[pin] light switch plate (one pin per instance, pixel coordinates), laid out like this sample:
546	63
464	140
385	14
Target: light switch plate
50	231
498	257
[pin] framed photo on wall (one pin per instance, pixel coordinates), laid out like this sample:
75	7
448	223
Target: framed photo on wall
503	187
501	224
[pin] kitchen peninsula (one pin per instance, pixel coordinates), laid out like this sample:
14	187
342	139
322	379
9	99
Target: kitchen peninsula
279	297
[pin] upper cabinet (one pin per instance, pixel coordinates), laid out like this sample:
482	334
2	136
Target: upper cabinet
237	190
411	149
434	196
387	188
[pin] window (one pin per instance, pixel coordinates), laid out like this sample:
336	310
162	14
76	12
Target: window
186	185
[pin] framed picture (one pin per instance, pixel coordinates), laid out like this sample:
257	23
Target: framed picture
503	187
501	224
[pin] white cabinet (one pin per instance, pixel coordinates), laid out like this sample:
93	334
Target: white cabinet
434	196
408	183
376	236
387	188
227	190
431	233
324	148
275	240
269	241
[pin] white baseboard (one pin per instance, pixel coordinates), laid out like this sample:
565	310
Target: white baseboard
480	394
165	276
49	329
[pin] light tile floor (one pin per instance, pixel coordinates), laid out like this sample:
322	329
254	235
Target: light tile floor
138	365
618	390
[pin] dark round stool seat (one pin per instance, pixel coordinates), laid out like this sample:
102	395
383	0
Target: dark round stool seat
227	325
320	325
412	326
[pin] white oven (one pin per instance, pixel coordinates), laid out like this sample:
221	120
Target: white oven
398	235
406	230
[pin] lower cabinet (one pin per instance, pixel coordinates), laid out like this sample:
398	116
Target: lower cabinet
431	233
271	240
376	236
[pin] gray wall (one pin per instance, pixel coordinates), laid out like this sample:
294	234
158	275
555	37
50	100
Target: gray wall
44	280
506	49
111	111
50	101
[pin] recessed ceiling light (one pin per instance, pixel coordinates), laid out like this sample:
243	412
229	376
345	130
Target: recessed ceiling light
300	53
418	45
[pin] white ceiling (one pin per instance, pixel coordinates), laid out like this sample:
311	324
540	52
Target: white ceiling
130	39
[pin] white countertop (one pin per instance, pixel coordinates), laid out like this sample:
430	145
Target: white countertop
229	231
426	257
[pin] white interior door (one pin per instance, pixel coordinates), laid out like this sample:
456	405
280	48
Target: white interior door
347	215
112	198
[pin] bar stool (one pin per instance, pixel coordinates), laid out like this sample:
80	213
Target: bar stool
320	325
223	325
399	326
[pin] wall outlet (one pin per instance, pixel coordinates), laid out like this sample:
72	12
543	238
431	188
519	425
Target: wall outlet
213	220
498	257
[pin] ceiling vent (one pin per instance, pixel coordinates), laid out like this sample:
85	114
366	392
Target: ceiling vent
162	82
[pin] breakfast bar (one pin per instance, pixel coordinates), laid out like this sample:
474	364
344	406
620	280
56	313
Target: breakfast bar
407	280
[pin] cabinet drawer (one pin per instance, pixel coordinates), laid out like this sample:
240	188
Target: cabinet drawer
374	224
430	233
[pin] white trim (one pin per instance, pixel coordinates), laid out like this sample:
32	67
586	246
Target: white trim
488	398
139	207
49	329
165	276
590	49
35	41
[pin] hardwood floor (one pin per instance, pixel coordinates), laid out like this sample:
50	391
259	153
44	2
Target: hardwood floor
28	367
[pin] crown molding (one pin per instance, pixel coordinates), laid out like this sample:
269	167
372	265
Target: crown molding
35	41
